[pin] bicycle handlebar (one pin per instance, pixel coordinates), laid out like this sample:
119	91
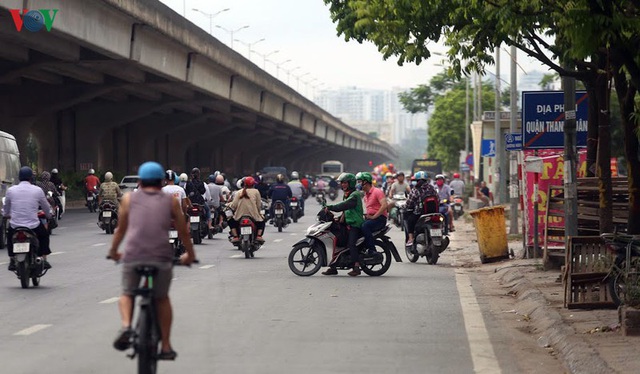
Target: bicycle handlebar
176	262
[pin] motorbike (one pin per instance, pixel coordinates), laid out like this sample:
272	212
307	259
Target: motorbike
429	238
108	216
264	208
176	243
458	209
311	253
92	200
294	209
53	221
623	278
333	194
320	196
29	266
397	212
248	233
279	220
198	223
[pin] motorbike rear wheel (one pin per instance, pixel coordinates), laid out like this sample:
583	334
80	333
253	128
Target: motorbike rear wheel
432	255
379	269
246	248
196	236
304	263
35	281
23	273
412	256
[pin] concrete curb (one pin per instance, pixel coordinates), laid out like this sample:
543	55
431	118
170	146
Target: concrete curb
576	354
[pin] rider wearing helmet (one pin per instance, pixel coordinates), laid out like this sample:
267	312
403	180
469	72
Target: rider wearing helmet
146	216
247	202
375	212
444	195
352	217
279	191
176	191
457	185
215	191
183	178
297	189
386	183
57	181
109	190
22	203
198	194
91	182
422	190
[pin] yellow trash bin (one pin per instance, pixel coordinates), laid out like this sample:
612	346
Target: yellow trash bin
491	232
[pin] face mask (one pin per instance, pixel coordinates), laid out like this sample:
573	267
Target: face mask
440	182
359	186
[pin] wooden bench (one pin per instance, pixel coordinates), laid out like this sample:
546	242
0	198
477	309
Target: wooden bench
587	264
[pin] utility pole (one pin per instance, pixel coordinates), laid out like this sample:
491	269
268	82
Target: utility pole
513	158
500	153
466	131
570	187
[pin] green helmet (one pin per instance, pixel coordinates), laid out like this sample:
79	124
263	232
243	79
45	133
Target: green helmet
348	177
364	176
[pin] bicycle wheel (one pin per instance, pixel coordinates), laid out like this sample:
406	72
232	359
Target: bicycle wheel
147	343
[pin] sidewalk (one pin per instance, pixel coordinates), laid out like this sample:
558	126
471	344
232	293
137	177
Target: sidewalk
585	341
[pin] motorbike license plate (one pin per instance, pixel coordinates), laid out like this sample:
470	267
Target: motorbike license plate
106	214
89	198
245	230
457	208
435	232
279	211
173	234
194	219
20	247
294	204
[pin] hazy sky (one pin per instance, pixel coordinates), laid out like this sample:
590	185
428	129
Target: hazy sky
301	30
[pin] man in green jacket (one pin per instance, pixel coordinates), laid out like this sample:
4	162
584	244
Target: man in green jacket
353	217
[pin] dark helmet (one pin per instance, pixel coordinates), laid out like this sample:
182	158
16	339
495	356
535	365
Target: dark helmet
170	175
348	177
25	174
211	178
195	172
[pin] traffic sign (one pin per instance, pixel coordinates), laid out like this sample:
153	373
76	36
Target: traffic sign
469	160
488	148
514	142
464	166
543	118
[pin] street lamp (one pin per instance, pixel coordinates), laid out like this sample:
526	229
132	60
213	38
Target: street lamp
211	16
264	58
278	66
298	80
249	45
232	31
289	73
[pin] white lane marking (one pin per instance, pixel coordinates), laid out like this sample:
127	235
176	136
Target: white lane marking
3	263
99	244
57	253
206	266
110	301
482	354
31	330
236	256
293	234
174	279
277	240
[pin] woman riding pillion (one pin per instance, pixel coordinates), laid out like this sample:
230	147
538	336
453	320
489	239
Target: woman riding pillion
247	202
353	217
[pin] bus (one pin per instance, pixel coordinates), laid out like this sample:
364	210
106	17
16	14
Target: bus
432	167
332	168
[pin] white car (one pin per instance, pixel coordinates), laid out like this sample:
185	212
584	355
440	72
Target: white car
129	183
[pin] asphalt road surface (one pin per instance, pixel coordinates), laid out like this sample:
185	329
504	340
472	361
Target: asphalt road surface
237	315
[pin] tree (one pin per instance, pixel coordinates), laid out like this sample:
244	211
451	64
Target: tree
418	99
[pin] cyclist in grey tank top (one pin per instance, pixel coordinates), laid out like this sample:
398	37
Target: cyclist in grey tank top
145	215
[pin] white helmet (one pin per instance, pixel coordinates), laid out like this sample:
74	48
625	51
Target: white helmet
54	171
184	177
91	171
240	183
108	176
295	175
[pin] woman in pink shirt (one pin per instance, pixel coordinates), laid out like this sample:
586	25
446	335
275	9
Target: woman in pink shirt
375	211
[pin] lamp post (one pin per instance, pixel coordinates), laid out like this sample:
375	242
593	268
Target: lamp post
298	80
210	16
264	58
278	67
289	73
249	45
232	31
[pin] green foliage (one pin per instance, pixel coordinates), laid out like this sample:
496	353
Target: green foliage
418	99
548	80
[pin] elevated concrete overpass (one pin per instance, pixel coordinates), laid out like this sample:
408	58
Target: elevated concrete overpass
118	82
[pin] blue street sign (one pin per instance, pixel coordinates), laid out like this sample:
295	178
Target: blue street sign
543	117
514	141
488	148
464	166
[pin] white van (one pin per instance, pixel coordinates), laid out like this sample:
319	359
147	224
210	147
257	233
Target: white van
9	168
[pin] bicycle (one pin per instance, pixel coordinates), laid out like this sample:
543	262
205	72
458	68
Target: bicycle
145	340
624	274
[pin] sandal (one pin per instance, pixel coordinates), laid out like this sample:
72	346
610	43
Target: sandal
169	356
123	340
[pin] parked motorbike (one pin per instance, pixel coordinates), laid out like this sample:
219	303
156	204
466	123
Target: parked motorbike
429	238
397	212
294	209
53	221
333	194
92	200
29	266
248	233
311	253
198	223
279	220
623	278
108	216
458	209
320	197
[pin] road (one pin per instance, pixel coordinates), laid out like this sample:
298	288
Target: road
237	315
